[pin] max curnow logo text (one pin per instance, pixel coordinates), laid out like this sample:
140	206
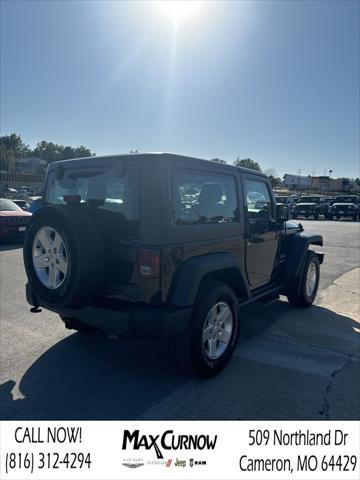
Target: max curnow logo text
167	441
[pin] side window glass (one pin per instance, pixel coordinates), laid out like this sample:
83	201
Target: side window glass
199	198
258	200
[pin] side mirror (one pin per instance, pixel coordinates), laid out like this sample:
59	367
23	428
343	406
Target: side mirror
282	213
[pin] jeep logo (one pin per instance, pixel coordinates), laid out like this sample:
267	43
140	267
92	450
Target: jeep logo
167	441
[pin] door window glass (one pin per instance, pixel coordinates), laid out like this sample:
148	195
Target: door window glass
258	200
200	197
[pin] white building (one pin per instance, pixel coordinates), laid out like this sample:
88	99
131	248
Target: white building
296	182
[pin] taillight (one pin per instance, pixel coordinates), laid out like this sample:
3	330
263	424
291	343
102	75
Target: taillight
149	262
72	199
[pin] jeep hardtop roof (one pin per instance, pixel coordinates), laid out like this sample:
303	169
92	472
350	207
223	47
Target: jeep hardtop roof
151	156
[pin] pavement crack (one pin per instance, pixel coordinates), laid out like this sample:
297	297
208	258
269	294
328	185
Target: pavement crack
287	338
325	408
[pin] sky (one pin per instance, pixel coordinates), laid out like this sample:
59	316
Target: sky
276	81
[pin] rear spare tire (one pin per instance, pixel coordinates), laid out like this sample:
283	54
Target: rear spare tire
63	256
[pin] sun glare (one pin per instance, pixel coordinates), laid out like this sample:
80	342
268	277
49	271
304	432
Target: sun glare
178	10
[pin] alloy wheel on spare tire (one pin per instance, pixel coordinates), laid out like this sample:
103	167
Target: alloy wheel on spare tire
63	256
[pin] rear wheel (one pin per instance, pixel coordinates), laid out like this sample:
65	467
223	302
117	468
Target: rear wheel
304	291
207	346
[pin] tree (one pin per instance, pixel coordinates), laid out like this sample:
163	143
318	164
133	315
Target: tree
218	160
273	177
76	152
7	159
247	163
11	148
270	172
275	181
48	151
357	181
52	152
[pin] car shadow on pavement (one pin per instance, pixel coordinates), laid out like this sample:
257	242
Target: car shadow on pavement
88	376
10	246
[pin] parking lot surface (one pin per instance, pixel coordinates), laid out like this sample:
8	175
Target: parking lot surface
289	363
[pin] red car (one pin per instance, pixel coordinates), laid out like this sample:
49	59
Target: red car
13	220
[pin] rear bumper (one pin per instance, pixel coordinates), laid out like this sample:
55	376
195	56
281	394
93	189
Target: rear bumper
125	319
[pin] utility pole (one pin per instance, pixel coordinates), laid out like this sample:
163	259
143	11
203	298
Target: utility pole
329	183
299	173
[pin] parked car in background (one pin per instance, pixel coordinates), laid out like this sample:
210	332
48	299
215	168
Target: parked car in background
280	199
286	200
9	190
35	205
320	201
345	206
13	220
27	190
305	210
23	204
311	206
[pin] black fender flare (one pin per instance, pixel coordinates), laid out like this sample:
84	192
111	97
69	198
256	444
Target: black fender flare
295	260
187	280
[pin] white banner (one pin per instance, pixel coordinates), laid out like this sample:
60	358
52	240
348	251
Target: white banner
179	450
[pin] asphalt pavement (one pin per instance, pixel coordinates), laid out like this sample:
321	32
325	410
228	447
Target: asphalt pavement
289	363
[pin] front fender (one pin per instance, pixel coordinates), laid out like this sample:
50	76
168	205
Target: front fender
299	246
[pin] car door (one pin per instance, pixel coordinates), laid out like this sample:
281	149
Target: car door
261	231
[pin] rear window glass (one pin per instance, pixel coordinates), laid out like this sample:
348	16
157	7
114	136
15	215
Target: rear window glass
104	189
199	198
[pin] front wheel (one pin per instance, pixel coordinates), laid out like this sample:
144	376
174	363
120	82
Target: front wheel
303	293
207	346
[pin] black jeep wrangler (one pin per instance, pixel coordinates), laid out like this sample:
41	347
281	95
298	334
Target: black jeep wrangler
311	206
149	245
344	207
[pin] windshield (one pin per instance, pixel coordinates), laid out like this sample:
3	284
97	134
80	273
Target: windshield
345	199
310	199
8	205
